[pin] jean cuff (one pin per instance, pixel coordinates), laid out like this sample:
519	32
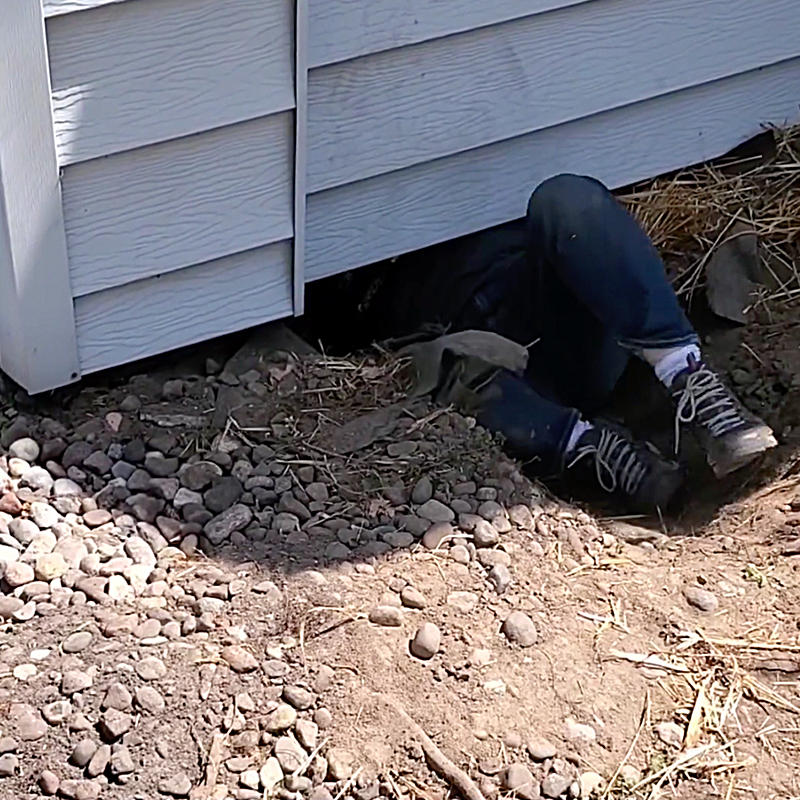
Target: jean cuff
638	345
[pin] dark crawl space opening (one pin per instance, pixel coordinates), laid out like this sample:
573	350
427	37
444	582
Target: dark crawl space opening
352	311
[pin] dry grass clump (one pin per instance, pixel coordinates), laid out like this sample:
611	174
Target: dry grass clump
692	213
706	679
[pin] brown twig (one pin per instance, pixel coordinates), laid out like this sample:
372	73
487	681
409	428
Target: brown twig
438	762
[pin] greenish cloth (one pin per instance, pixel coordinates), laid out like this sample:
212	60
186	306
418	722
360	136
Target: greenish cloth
453	368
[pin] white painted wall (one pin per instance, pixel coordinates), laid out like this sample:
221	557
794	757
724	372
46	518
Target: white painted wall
37	327
430	119
195	163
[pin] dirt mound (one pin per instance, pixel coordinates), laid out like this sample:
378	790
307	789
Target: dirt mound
227	586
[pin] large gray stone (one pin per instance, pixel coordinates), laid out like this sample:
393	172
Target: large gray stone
220	528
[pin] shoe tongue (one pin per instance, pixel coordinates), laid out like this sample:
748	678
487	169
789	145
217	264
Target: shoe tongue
693	364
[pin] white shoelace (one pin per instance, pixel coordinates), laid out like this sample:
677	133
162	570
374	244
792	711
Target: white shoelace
616	462
704	392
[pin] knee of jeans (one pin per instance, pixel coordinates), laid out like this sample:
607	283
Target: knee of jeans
566	194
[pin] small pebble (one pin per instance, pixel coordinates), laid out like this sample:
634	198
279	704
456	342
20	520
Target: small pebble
460	554
79	789
281	719
122	762
9	765
149	699
73	681
422	491
519	629
323	718
426	641
117	696
324	679
250	779
630	775
412	598
436	511
306	732
18	574
578	732
463	602
24	672
114	724
500	577
386	616
291	756
151	669
29	722
7	745
298	697
554	785
176	785
518	778
26	449
50	566
512	739
99	761
701	599
541	749
76	642
438	535
484	534
591	785
82	752
270	775
239	659
340	764
48	782
57	712
670	733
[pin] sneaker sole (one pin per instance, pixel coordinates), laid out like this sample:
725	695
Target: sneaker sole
749	448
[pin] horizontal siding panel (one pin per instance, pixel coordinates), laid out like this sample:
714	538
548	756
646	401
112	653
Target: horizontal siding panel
342	29
182	202
441	200
403	107
53	8
130	74
160	314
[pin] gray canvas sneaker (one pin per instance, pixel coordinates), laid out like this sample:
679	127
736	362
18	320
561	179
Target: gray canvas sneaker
635	470
730	435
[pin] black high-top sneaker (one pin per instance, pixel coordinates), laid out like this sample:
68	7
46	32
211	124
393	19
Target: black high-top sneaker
730	434
635	470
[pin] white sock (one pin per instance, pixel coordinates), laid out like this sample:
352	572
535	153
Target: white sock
667	362
578	429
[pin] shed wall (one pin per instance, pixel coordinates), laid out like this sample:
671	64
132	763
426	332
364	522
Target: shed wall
428	120
214	157
174	129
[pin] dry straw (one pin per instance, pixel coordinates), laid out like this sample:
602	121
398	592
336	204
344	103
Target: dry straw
706	678
692	213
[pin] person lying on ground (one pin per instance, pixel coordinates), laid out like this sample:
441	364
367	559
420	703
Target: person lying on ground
579	282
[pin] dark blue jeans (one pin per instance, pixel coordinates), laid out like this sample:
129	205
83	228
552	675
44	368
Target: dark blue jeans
590	290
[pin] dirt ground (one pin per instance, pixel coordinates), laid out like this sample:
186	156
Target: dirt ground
634	677
249	571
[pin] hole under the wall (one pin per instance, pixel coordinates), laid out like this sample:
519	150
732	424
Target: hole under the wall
354	310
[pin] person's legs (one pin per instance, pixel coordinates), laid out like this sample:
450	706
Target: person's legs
601	284
557	438
535	429
604	293
581	233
